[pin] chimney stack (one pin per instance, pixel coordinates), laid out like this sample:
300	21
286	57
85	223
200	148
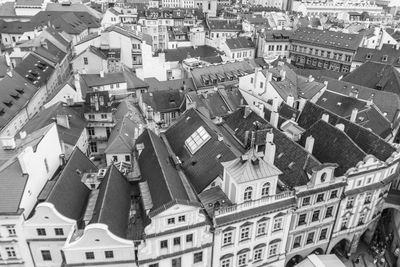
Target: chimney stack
310	78
102	73
325	117
353	116
247	112
370	101
340	126
290	101
270	148
63	120
282	73
310	144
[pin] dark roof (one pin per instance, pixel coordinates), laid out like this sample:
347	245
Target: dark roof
316	73
69	195
156	85
326	38
376	75
35	70
113	203
122	137
164	101
131	79
239	43
391	52
47	116
291	158
182	53
224	25
277	35
102	97
11	190
157	170
369	142
15	27
203	166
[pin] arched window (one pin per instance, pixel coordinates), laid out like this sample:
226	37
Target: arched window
248	192
265	190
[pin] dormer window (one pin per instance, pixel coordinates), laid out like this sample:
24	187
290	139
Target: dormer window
384	58
369	56
197	140
265	190
248	193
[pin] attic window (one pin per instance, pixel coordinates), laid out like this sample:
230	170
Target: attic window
339	104
16	97
369	55
8	104
197	140
20	91
324	99
384	58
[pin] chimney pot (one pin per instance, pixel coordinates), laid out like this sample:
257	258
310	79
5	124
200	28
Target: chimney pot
325	117
353	116
310	144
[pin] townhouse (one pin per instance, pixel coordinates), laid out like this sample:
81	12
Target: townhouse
388	54
322	49
239	48
274	44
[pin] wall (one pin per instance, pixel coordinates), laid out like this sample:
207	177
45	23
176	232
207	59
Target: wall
94	66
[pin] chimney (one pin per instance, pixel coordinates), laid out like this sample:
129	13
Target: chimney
96	102
247	112
275	104
310	144
290	101
102	73
22	134
397	46
63	120
139	148
354	92
282	73
325	117
370	100
310	78
270	148
9	72
8	142
274	119
256	71
246	137
77	85
353	116
340	126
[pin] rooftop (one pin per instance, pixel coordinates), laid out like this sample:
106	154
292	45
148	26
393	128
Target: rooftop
240	43
165	101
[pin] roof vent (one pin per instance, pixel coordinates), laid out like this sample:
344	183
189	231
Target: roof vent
8	142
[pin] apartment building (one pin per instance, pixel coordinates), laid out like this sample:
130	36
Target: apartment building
322	49
274	44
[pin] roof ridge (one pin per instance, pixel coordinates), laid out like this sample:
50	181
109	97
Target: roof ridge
105	192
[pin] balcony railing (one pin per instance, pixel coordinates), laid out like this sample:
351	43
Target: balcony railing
254	203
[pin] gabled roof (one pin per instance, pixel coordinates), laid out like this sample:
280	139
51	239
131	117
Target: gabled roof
122	137
157	169
47	116
94	50
369	142
69	194
204	166
164	101
113	203
131	79
224	25
124	31
327	38
239	43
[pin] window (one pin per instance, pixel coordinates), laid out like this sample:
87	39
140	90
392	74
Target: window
226	263
242	259
154	265
114	158
350	203
11	230
59	231
127	158
171	220
345	221
297	241
261	228
111	86
277	224
46	165
251	80
359	182
265	190
310	238
329	212
177	241
109	254
279	48
41	231
164	244
85	61
91	116
227	238
197	139
176	262
197	257
189	238
271	48
320	197
89	255
258	254
322	235
361	218
273	250
306	201
104	116
261	85
368	197
46	256
181	218
369	180
11	252
248	193
93	147
334	194
244	233
302	219
315	216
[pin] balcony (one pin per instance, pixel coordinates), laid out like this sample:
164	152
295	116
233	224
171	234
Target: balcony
254	203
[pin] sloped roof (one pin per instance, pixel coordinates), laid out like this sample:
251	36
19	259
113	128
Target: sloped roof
113	203
181	53
224	25
164	101
156	85
156	168
327	38
239	43
88	38
15	27
364	54
122	137
69	194
47	116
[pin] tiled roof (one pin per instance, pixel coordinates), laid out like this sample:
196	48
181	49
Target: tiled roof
131	79
376	75
290	158
113	203
224	25
122	137
369	142
181	53
164	101
204	165
156	168
88	38
392	54
29	2
47	116
156	85
96	51
326	38
239	43
15	27
69	194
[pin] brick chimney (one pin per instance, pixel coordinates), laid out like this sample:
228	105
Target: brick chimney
270	148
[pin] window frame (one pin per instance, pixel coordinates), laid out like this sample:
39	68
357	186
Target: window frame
46	255
89	255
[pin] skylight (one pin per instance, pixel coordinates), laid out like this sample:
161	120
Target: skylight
197	139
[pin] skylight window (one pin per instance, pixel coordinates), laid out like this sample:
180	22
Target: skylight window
197	140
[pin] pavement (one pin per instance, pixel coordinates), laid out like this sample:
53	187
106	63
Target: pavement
367	259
